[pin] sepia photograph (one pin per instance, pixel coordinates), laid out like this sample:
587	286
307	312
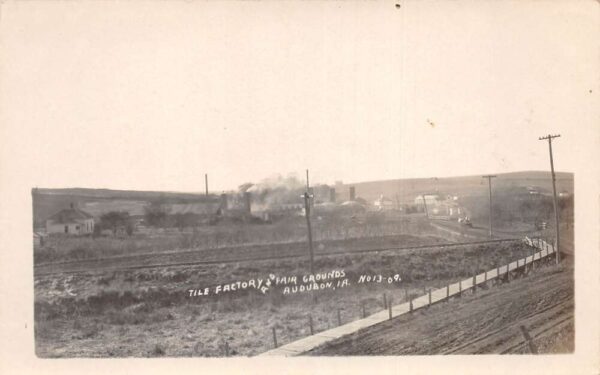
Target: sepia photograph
390	181
279	267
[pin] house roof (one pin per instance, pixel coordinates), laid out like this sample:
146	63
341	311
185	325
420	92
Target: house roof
70	215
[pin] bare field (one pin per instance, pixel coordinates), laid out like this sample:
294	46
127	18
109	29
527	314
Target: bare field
148	312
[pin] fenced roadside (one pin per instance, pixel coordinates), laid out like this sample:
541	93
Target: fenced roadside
429	297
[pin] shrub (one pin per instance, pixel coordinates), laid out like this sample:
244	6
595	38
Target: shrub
158	351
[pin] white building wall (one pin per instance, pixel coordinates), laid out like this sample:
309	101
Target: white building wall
83	227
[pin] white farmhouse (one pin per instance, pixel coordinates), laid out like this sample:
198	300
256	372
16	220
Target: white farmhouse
71	221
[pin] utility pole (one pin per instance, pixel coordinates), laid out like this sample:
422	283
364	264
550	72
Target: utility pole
307	198
206	183
489	177
425	205
556	245
307	181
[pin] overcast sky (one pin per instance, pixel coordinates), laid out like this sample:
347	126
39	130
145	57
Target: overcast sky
133	95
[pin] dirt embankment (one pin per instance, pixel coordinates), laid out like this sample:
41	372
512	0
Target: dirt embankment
490	322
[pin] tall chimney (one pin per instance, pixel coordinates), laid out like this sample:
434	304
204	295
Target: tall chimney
206	183
352	193
223	202
332	195
247	202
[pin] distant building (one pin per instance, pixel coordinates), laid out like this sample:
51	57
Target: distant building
71	221
447	209
383	204
430	199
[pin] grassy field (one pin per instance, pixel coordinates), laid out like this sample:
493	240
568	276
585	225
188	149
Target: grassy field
150	313
291	230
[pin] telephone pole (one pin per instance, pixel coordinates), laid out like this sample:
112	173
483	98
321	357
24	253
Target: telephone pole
556	245
307	196
489	177
307	181
425	207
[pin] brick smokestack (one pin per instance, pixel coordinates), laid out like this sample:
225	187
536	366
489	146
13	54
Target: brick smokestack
223	202
247	202
332	195
352	193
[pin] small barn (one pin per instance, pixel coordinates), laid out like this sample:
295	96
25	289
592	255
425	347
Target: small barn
71	221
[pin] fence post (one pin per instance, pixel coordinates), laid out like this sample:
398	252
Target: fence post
410	306
474	284
448	292
274	338
310	324
497	275
384	301
390	309
429	298
226	349
460	288
406	294
339	316
507	274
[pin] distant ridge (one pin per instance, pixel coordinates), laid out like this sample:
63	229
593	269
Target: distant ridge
145	194
405	190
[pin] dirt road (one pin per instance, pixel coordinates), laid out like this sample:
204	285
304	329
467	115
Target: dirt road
496	320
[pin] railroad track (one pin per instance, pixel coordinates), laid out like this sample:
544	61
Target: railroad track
155	260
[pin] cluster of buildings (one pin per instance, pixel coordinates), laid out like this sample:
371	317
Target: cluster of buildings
247	205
